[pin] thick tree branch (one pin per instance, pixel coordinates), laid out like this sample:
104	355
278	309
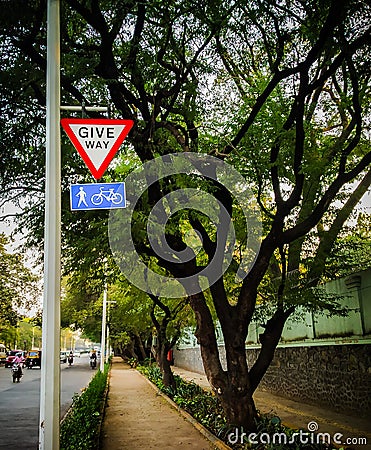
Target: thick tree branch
329	237
306	225
269	341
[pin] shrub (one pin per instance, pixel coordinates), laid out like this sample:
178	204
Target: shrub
207	410
201	404
80	428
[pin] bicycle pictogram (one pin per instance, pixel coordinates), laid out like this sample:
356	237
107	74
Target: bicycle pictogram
110	195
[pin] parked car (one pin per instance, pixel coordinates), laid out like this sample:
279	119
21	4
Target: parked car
63	357
11	356
76	354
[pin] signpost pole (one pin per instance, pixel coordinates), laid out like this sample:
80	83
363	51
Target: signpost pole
103	337
50	365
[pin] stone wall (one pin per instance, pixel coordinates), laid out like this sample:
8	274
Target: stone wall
337	377
189	359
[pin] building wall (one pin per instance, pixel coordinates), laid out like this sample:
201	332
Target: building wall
337	376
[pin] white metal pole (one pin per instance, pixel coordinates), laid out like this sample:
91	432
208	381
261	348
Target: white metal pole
108	353
50	367
108	344
107	332
103	337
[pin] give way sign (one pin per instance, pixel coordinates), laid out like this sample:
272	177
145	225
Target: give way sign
97	140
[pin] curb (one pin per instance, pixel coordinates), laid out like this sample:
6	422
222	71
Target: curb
104	405
218	444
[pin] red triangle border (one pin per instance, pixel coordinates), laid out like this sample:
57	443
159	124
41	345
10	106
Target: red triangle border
97	173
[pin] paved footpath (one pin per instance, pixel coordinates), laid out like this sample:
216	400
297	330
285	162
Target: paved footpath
137	417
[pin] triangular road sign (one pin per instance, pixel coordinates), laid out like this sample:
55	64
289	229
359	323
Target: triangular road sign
97	140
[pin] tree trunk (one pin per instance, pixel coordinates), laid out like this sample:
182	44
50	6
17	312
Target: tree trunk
139	343
239	409
232	387
131	349
165	366
237	400
163	344
235	391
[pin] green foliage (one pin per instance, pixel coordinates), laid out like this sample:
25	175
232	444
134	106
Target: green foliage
80	429
352	250
201	404
81	304
133	362
25	333
280	90
207	410
19	288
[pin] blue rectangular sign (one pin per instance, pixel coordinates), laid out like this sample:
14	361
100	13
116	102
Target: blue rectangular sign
97	196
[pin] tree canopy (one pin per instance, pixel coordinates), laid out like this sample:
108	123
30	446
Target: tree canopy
279	90
19	288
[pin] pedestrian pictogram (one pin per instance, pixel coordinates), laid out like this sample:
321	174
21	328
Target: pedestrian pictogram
97	196
97	140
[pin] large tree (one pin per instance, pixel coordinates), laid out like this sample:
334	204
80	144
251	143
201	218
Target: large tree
279	89
19	290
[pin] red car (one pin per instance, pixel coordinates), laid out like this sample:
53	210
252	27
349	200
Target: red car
11	356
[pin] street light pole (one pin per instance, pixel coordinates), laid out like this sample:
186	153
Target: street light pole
107	338
50	366
108	345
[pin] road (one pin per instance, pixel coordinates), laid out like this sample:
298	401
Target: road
20	402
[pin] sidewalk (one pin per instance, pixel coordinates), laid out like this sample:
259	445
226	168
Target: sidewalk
138	417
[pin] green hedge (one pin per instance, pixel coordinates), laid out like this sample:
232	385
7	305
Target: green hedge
207	410
81	427
201	404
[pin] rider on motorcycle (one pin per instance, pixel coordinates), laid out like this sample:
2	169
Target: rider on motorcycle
93	358
18	359
18	364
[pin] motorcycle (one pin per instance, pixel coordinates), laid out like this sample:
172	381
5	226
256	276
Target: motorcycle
70	360
93	363
17	372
